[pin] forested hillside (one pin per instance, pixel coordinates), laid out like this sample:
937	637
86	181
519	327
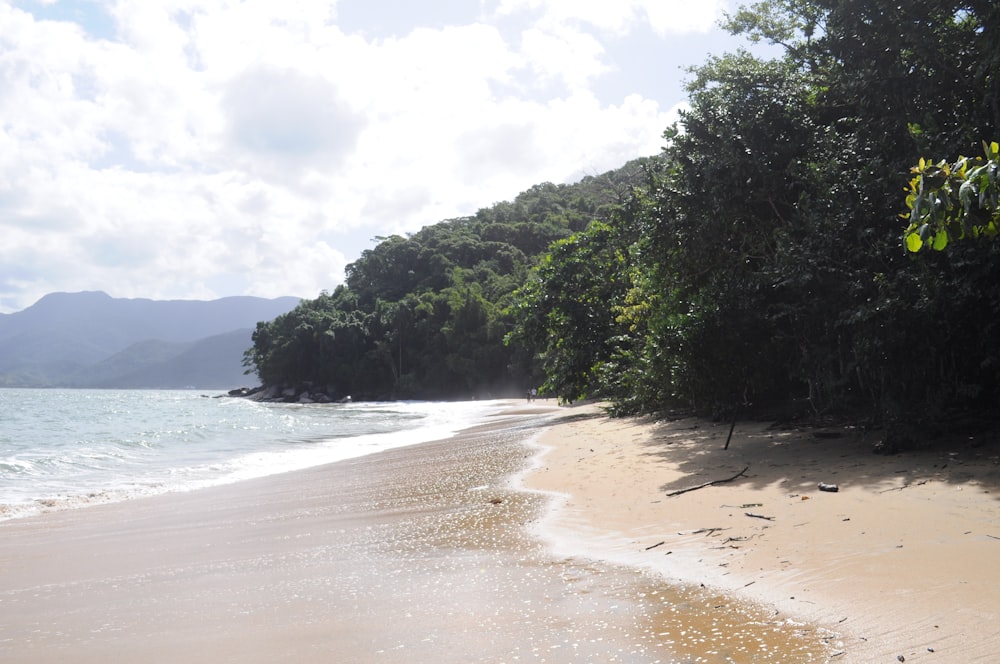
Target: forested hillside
425	316
758	265
764	269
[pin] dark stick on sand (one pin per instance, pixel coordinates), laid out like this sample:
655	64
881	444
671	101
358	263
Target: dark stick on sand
731	427
712	483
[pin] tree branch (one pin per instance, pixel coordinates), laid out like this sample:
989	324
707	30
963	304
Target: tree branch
712	483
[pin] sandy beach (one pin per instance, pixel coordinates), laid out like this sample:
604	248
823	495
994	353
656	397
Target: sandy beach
900	562
546	536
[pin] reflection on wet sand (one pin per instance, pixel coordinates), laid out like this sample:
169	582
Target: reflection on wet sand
446	565
416	554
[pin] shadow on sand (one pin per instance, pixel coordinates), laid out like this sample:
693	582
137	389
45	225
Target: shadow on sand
799	459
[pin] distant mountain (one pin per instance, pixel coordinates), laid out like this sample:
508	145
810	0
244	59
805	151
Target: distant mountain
214	362
91	339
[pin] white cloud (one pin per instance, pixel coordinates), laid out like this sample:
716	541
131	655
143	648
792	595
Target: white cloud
289	117
680	16
665	16
202	146
570	56
613	16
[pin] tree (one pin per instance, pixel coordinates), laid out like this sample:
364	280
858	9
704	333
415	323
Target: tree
565	311
953	201
722	218
423	316
767	268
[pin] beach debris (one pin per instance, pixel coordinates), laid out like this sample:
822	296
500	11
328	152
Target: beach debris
496	501
731	427
655	545
704	531
832	488
900	658
760	516
712	483
904	486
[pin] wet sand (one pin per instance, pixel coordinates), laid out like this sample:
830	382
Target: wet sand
900	562
428	553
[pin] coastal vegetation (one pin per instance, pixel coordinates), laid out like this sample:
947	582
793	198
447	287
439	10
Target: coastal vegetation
758	265
425	316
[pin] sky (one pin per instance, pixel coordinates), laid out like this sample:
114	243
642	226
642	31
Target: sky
197	149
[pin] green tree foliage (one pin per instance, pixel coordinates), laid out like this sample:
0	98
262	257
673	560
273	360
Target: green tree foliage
424	316
567	309
720	255
755	265
763	267
953	201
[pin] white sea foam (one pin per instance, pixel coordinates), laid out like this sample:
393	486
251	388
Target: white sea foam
66	448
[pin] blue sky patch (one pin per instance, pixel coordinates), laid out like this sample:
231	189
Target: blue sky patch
88	14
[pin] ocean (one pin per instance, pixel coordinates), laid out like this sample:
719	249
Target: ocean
70	448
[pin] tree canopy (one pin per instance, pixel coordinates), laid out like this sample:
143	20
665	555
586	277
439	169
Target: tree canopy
425	316
954	201
758	264
766	270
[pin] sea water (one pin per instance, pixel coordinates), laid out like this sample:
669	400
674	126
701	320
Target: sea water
69	448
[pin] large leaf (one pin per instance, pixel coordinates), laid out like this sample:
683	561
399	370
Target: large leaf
940	240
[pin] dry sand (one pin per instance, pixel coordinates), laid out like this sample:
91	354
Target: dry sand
903	562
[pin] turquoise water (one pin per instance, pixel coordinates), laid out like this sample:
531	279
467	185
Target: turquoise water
69	448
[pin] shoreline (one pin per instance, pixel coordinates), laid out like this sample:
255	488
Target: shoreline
543	531
420	553
140	460
899	562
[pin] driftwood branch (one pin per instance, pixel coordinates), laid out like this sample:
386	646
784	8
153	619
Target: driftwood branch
731	427
712	483
905	486
704	531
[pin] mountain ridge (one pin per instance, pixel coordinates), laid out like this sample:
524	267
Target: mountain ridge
91	339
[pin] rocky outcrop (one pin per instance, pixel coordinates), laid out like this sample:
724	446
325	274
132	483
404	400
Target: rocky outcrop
291	394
